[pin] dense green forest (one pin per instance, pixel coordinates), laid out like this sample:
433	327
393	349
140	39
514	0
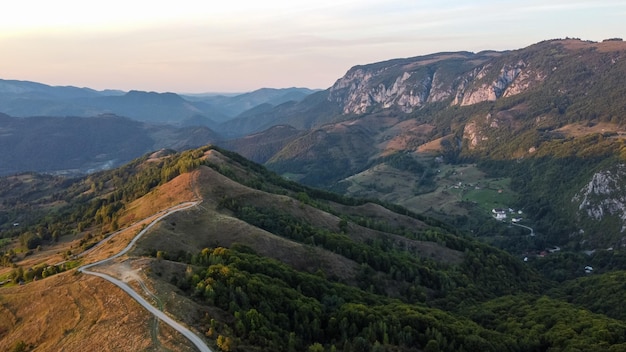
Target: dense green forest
271	307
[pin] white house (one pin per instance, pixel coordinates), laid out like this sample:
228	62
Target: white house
499	214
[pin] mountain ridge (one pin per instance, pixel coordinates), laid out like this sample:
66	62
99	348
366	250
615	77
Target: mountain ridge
26	98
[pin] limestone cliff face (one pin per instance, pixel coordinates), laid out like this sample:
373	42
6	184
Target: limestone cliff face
512	78
604	195
472	133
408	84
404	84
362	88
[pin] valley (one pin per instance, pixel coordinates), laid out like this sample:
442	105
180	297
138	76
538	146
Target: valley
448	202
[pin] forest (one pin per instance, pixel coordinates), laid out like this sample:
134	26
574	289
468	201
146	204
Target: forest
271	307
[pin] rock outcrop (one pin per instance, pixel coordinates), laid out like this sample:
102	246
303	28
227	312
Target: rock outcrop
464	78
604	195
358	91
405	84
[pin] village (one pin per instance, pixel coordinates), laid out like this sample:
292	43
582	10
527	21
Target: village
502	214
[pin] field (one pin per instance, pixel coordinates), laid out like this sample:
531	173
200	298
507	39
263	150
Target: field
456	187
495	194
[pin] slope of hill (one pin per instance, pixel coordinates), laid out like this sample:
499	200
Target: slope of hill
268	264
260	147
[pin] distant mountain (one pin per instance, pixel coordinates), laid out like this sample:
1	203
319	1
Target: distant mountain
231	106
76	145
80	143
150	107
34	89
314	110
23	98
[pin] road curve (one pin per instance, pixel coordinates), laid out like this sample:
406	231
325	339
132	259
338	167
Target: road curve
197	341
532	232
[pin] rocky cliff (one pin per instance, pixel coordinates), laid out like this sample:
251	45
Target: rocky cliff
604	196
557	67
407	84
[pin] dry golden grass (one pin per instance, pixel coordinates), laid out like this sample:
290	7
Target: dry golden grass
77	312
604	46
579	130
208	226
178	190
72	313
432	146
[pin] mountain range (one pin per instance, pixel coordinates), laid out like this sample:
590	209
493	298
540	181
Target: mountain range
453	135
456	201
71	130
25	99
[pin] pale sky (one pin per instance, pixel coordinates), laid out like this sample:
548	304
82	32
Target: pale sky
241	45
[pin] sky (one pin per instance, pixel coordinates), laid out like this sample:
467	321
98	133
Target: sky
195	46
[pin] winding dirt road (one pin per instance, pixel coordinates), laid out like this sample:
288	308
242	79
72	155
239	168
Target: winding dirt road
195	339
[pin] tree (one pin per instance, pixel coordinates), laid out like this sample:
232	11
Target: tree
19	346
28	240
224	343
432	346
316	347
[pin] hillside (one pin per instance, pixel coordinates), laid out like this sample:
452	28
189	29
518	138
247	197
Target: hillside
263	263
260	147
482	104
405	129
